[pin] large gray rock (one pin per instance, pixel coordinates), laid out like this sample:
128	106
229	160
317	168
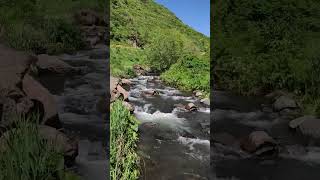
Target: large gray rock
284	102
53	64
35	91
307	125
256	140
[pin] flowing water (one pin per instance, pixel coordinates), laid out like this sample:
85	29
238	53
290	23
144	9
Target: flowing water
174	143
238	116
81	100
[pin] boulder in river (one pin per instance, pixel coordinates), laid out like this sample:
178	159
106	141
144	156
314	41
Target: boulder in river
151	92
260	144
191	107
284	102
205	101
198	93
307	125
224	138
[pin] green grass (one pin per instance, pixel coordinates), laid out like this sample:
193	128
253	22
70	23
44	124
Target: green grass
189	73
43	26
122	59
124	160
24	154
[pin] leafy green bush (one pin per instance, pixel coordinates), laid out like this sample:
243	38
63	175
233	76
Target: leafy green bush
164	50
123	138
189	73
25	155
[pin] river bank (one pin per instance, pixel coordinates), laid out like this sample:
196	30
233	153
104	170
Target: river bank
283	142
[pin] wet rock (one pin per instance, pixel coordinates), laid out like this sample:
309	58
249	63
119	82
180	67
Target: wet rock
151	92
197	93
205	101
298	121
307	125
129	106
35	91
53	64
284	102
259	143
191	107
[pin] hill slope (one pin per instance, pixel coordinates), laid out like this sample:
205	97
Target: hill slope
144	32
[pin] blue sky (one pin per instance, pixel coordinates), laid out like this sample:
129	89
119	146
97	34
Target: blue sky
195	13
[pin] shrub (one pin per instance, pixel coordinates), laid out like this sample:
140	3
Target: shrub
123	138
189	73
166	48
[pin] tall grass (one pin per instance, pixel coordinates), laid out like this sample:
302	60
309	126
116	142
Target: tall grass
25	155
123	138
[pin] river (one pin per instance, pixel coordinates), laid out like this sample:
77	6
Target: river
82	106
174	143
238	116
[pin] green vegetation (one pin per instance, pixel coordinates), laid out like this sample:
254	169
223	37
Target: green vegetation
43	26
122	58
160	40
123	137
268	45
189	73
24	154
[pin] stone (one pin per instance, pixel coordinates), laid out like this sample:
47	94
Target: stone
191	107
129	106
197	93
151	92
14	65
298	121
205	101
123	93
53	64
35	91
256	140
284	102
310	127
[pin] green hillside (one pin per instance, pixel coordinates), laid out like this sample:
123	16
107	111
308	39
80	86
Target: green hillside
262	46
144	32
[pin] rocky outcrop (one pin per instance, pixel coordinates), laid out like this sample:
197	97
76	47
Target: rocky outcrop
53	64
21	93
117	91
